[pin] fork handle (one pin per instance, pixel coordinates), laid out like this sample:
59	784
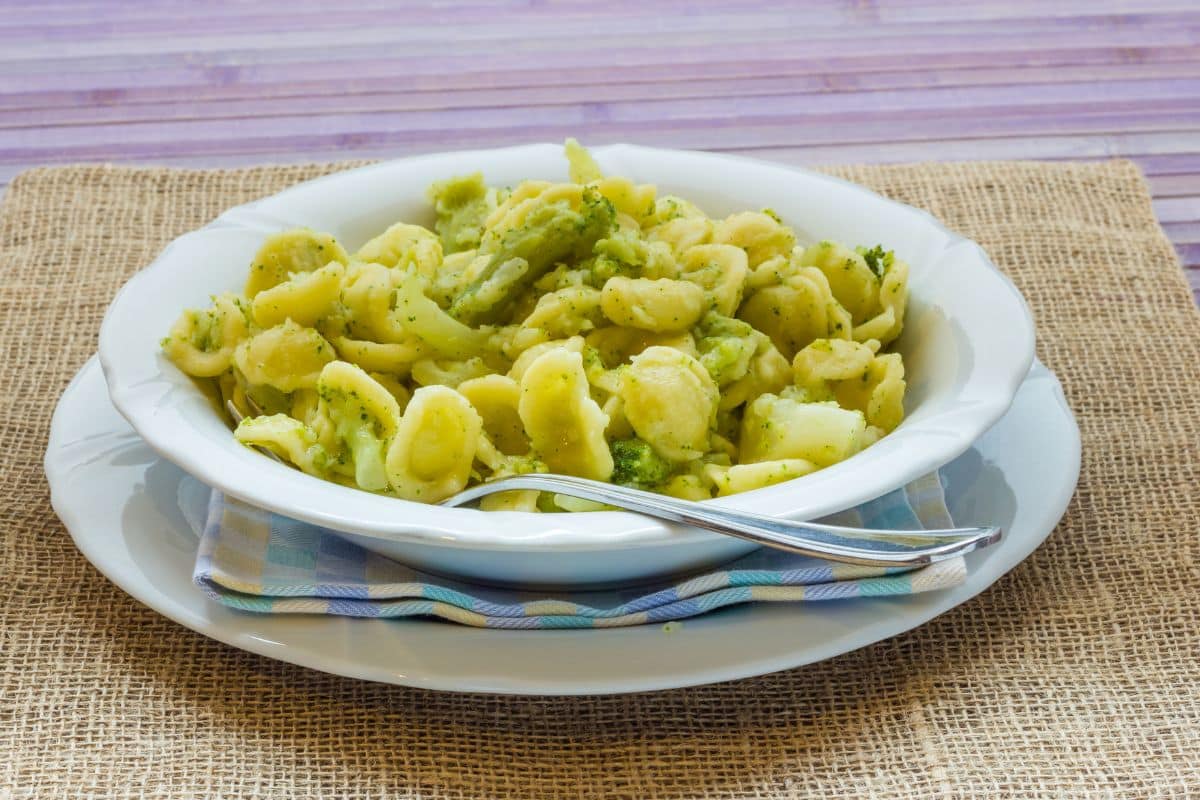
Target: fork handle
861	546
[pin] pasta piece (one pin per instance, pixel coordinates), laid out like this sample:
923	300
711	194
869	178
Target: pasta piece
515	212
852	282
431	453
686	487
577	504
288	253
721	270
396	358
428	372
523	362
745	477
769	371
304	298
797	312
776	428
583	167
872	285
773	272
394	387
563	277
404	246
364	416
826	360
202	343
885	326
287	438
368	296
519	500
670	401
855	377
508	342
671	207
618	424
603	381
564	424
616	344
661	305
496	398
759	234
286	357
566	312
635	200
882	390
682	234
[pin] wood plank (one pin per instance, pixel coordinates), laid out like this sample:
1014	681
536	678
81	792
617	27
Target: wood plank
840	69
1177	209
736	100
429	56
152	102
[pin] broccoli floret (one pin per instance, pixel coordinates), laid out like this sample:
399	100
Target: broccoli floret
727	358
726	347
358	429
626	254
461	205
714	324
364	416
552	234
879	261
617	255
636	464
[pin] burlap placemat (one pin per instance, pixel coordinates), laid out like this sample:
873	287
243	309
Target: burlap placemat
1076	674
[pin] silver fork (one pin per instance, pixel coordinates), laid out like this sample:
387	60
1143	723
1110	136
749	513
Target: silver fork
862	546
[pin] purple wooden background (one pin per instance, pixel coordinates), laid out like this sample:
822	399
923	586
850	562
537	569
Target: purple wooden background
226	83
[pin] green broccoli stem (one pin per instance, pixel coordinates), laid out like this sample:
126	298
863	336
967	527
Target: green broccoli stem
368	451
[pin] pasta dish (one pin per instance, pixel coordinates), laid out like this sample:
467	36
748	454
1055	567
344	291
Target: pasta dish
590	328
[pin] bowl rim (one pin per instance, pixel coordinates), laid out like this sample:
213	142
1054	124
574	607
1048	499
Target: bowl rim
467	528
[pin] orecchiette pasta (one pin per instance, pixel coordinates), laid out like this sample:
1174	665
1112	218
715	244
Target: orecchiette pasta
564	423
589	327
431	453
671	402
652	305
289	253
304	298
286	357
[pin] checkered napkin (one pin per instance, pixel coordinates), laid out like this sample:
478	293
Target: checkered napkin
254	560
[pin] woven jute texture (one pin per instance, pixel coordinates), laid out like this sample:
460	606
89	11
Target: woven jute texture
1075	675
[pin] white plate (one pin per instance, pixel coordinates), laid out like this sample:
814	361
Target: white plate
119	501
967	345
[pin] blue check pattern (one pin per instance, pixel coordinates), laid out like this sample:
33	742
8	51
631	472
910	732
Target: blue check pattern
252	560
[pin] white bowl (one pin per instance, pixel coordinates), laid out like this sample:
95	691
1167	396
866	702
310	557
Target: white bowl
967	344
